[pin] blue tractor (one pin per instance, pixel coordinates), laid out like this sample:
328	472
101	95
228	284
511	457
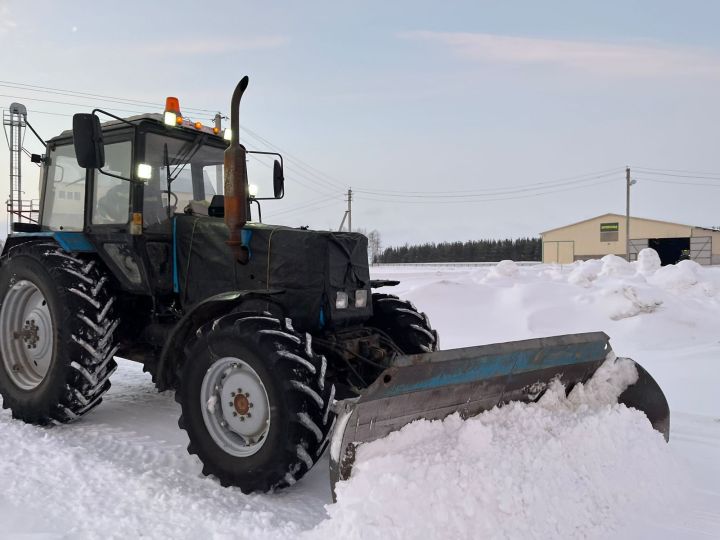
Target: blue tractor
271	337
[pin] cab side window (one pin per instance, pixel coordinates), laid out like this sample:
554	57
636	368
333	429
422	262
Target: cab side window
111	203
64	195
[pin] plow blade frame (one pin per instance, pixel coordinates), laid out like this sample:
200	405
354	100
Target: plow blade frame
475	379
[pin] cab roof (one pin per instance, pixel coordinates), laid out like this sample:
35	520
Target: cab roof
137	119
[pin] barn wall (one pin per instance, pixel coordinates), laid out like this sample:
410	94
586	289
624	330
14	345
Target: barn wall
587	242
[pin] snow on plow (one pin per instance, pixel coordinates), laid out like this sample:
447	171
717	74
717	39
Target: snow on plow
471	380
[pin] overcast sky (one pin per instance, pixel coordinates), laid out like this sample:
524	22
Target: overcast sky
450	120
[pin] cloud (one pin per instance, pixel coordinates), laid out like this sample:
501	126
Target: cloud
213	46
6	21
600	58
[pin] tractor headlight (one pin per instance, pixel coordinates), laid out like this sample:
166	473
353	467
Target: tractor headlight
341	300
144	171
361	298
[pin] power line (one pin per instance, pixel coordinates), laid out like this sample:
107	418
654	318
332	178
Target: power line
307	206
487	192
434	194
313	209
41	112
310	170
465	192
24	98
678	182
89	106
668	172
299	173
320	180
647	171
466	200
298	170
75	93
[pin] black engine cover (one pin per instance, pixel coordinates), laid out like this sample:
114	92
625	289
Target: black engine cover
310	266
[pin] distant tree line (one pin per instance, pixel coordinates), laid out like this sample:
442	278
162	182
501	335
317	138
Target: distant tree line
521	249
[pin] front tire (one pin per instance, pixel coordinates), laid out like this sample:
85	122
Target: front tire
409	329
255	402
57	334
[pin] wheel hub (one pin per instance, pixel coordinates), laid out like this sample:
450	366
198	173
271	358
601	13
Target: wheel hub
29	334
235	406
25	316
242	404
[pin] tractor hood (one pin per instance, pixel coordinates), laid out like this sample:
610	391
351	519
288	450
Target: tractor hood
311	267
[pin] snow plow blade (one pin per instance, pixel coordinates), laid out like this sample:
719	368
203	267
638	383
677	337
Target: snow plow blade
475	379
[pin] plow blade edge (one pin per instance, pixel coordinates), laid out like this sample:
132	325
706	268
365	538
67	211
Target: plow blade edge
475	379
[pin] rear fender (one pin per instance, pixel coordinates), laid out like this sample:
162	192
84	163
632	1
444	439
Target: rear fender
201	313
69	241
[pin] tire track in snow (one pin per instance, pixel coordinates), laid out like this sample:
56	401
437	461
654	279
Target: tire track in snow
107	476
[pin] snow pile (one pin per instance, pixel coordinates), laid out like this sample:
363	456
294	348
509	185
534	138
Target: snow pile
648	261
585	273
679	277
612	265
629	289
505	268
565	467
624	301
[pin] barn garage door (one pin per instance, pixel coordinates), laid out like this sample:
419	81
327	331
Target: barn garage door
550	252
635	246
566	252
561	252
701	249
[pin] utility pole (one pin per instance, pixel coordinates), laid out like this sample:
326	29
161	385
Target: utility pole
348	213
628	183
349	210
219	174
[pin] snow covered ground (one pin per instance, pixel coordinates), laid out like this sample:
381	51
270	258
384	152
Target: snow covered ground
562	468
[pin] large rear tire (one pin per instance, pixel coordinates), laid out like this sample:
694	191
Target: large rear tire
409	329
58	334
255	402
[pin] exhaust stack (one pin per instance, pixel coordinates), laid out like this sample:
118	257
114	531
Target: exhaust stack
236	183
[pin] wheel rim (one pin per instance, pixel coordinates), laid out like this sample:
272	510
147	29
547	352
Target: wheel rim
27	335
235	406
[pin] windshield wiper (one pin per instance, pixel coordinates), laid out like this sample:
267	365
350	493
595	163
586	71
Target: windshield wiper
166	162
185	156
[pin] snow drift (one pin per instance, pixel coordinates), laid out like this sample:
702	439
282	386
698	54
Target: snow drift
565	467
572	467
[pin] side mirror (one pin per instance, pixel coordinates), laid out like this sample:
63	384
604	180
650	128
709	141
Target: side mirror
278	180
88	141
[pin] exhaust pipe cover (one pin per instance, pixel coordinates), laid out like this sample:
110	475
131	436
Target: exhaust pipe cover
236	182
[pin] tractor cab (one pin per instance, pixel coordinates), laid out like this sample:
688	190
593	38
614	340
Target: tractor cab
117	187
137	173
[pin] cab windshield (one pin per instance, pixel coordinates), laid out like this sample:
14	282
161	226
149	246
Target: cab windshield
194	168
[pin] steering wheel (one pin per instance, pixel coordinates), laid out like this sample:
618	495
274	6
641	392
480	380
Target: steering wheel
173	199
114	206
